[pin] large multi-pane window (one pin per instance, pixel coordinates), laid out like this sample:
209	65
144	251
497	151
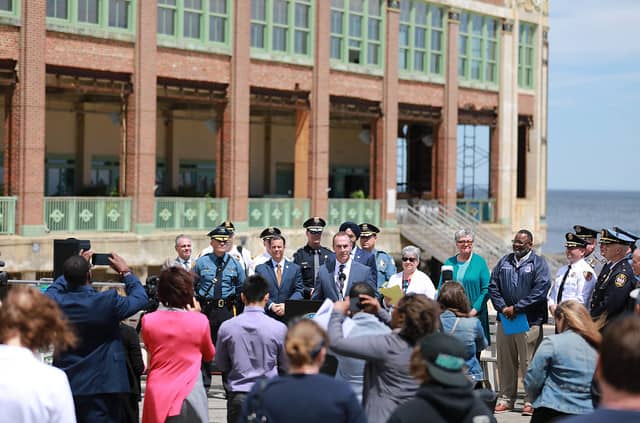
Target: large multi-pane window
106	13
478	48
526	51
200	20
357	31
282	26
6	5
421	38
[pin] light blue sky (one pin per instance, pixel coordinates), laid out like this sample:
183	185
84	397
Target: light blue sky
594	95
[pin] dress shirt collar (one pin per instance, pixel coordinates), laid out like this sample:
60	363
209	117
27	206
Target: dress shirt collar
253	309
275	263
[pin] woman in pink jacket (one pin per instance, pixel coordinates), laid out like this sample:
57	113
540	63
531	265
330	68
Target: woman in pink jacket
177	340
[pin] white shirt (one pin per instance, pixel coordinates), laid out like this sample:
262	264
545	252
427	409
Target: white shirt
578	286
31	391
419	283
336	273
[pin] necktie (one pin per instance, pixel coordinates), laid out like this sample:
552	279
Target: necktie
279	274
405	285
316	264
185	264
561	288
341	278
217	287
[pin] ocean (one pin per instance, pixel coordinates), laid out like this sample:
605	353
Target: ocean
593	209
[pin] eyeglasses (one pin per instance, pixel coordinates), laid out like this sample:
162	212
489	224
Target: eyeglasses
411	259
465	242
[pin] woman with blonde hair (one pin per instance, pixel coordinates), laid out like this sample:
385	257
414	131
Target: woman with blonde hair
30	390
560	373
310	396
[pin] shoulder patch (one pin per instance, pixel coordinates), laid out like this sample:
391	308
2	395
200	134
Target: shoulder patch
588	276
621	279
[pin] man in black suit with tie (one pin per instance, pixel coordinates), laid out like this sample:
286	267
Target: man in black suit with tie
284	278
336	277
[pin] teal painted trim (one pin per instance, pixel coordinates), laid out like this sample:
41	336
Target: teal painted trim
428	28
464	77
189	213
504	221
476	85
33	230
390	224
355	210
432	79
527	49
350	67
73	214
279	212
273	57
482	210
241	225
8	215
100	29
144	228
13	13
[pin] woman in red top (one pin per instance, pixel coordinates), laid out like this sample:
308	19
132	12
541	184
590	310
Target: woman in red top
177	340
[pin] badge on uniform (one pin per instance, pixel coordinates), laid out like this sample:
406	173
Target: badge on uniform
382	264
528	268
621	279
588	276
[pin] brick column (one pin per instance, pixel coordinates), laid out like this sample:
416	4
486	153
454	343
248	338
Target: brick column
507	160
446	149
319	146
28	118
386	160
138	156
233	161
301	166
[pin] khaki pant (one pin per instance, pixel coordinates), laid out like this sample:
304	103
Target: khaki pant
514	352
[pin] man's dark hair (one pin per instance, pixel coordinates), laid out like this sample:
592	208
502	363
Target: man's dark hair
527	233
361	288
175	287
620	354
275	237
75	270
255	288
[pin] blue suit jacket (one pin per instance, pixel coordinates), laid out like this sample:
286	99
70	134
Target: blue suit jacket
291	286
368	259
98	364
325	284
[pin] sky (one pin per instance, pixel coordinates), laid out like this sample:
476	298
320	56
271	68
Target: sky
594	95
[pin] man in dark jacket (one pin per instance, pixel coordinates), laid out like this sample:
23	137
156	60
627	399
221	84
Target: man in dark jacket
445	393
518	286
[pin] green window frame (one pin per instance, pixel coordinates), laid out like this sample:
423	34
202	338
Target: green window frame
116	16
105	173
59	175
282	27
478	49
421	39
197	177
194	24
526	55
357	32
10	9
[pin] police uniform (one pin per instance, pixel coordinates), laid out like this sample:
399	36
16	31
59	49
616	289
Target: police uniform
238	252
594	259
385	265
573	281
615	283
629	256
310	259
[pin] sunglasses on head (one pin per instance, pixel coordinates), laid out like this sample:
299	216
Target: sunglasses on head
411	259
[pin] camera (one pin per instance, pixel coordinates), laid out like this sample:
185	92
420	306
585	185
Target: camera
151	289
101	259
4	283
355	305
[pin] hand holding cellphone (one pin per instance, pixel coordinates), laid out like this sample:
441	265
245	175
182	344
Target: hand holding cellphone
101	259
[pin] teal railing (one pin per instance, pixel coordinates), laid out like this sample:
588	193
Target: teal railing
71	214
481	210
179	213
7	215
279	212
354	210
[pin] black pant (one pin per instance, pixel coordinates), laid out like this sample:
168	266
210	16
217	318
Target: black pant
234	406
216	317
544	415
100	408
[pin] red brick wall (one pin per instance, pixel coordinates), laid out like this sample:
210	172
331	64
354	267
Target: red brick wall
355	85
479	99
193	65
88	52
9	36
413	92
526	104
281	76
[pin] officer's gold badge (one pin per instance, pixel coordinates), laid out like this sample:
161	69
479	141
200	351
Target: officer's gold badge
621	279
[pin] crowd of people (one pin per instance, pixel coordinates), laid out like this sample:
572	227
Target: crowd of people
376	358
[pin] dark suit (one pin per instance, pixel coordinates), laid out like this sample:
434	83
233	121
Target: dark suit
290	288
368	259
97	367
326	286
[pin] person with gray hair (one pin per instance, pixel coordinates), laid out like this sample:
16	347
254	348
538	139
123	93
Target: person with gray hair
471	270
411	280
184	248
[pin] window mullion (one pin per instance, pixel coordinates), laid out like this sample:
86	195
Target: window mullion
268	25
412	34
180	19
345	32
427	52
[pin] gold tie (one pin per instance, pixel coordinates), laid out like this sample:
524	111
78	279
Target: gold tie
279	274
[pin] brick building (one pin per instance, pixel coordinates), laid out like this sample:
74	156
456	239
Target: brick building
136	120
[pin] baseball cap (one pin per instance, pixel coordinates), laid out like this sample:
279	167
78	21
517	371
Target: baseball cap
444	355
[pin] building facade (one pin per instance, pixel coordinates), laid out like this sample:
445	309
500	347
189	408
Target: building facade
128	121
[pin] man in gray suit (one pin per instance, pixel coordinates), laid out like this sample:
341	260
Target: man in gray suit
336	277
183	248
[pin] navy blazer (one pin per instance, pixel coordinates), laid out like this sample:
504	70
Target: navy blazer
98	364
325	286
291	286
368	259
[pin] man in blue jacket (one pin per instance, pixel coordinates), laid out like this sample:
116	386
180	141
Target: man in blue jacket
96	367
519	284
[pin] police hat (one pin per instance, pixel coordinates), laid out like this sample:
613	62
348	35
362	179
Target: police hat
611	236
229	225
367	229
269	232
629	234
585	233
314	224
220	233
574	240
350	225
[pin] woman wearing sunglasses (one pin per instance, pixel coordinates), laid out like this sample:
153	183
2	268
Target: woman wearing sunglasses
411	280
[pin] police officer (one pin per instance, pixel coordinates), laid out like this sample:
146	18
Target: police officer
265	236
313	255
632	247
384	263
238	252
616	281
592	257
574	281
219	279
